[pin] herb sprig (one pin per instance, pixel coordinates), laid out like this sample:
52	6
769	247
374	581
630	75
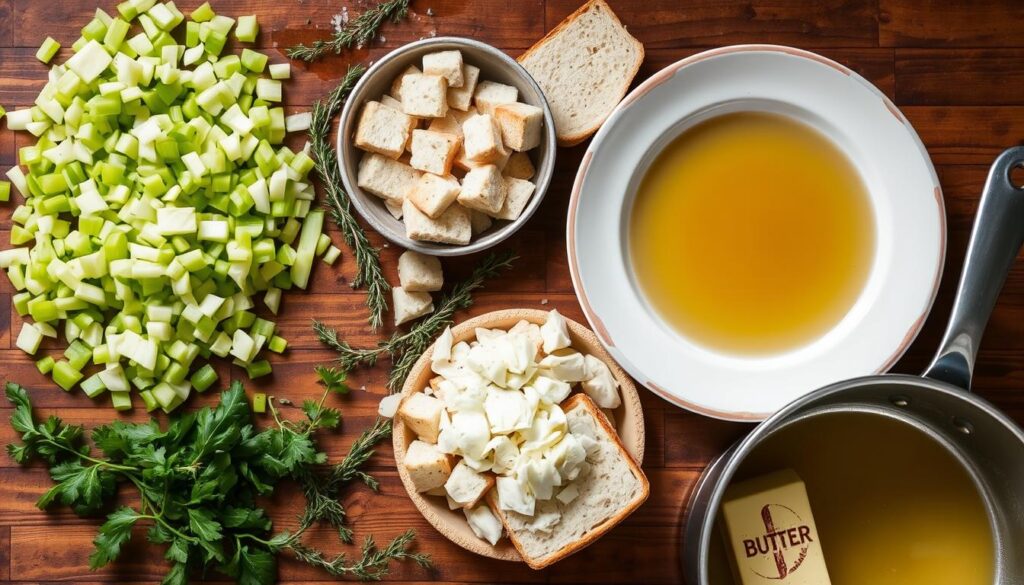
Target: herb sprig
354	33
337	203
198	481
368	273
405	348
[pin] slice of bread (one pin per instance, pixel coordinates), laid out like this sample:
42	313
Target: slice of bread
585	66
610	491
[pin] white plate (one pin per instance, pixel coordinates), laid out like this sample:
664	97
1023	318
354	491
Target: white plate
905	196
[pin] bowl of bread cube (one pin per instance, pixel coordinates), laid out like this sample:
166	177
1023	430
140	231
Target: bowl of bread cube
519	438
446	146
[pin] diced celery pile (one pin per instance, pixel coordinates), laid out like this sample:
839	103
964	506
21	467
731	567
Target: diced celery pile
159	205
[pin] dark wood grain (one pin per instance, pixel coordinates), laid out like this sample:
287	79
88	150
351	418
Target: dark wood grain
956	68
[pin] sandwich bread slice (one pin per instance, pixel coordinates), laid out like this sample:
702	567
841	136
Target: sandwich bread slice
584	66
609	491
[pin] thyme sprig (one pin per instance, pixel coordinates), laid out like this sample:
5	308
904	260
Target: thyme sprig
337	203
357	32
405	348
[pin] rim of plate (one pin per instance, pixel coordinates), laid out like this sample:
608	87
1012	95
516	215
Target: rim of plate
681	391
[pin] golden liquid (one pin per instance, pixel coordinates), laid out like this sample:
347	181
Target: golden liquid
752	233
892	506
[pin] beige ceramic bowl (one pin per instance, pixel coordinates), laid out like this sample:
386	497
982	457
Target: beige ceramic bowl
629	420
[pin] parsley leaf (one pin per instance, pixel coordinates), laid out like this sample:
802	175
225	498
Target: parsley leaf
116	531
333	379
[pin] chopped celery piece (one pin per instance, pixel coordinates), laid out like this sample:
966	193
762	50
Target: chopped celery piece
65	375
331	255
45	365
159	205
203	378
281	71
121	400
47	50
247	29
259	403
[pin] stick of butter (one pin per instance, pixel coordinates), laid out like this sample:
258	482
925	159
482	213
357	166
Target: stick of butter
770	533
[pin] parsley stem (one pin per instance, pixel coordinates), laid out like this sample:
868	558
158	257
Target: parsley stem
101	462
172	529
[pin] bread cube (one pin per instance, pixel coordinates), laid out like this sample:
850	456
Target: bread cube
466	487
461	98
427	466
479	221
425	96
434	152
461	116
422	414
448	124
386	178
420	272
519	166
517	195
433	194
395	209
483	189
397	105
447	64
396	85
520	125
410	305
490	94
383	130
482	139
452	227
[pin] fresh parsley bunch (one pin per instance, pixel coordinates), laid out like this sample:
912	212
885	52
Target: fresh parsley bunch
199	481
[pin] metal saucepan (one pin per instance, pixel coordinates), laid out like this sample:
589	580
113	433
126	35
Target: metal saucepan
987	442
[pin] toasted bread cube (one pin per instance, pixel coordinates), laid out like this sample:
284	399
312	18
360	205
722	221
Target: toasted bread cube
422	414
449	124
383	130
395	209
410	305
466	487
479	221
483	189
427	466
452	227
520	125
397	105
517	195
433	194
461	98
490	94
434	152
420	272
396	85
425	96
482	139
447	64
386	178
519	166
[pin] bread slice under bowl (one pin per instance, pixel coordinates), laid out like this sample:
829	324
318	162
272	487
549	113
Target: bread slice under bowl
629	420
613	488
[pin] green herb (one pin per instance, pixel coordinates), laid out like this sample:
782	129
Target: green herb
355	33
405	348
336	200
198	481
332	379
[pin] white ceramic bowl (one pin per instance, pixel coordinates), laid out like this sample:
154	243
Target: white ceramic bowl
905	197
628	422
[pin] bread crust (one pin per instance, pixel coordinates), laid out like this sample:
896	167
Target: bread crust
574	139
581	400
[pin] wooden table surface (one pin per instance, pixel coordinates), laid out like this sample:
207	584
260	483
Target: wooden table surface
955	68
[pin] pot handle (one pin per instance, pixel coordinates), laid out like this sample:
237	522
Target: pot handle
995	241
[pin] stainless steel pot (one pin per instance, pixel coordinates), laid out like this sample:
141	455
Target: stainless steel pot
988	444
